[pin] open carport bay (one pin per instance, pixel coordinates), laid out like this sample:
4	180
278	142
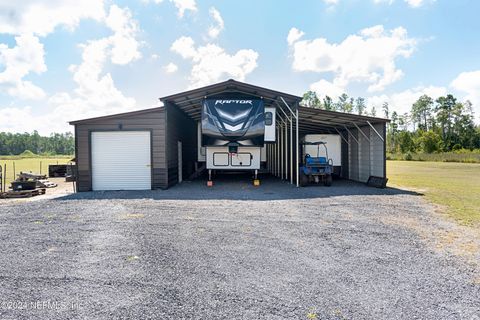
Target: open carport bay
272	252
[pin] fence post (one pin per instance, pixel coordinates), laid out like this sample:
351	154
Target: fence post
14	172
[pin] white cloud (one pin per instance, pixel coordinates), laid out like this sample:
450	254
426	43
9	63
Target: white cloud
124	45
29	19
96	91
42	17
331	2
469	83
181	5
368	57
415	3
184	46
294	35
384	1
184	5
170	68
95	94
26	57
212	64
215	30
411	3
401	102
327	88
14	119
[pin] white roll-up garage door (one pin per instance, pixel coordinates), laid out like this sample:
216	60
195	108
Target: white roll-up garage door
121	160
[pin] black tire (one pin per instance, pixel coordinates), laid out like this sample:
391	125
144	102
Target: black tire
303	179
328	180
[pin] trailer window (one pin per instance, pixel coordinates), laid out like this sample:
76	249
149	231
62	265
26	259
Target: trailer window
268	118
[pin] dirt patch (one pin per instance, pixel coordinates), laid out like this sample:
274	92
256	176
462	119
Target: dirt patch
442	234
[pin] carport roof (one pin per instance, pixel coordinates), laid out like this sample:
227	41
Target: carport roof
310	119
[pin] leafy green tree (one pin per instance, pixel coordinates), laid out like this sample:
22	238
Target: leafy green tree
392	133
311	100
360	105
422	112
406	142
386	109
328	103
444	113
430	141
56	143
463	128
344	104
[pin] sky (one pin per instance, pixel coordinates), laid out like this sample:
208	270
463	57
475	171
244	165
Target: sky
68	60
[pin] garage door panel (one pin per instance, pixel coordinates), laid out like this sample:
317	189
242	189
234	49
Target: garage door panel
121	160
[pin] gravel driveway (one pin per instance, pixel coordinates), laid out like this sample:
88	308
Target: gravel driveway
232	252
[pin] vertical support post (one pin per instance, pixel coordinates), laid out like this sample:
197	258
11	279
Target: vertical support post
273	158
281	152
267	150
276	152
297	162
286	150
291	150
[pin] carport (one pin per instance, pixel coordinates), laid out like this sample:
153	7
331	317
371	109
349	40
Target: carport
363	137
159	147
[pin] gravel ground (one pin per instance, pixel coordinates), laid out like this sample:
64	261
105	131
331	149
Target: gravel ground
233	252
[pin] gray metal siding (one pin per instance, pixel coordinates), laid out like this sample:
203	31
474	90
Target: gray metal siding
363	154
367	157
345	153
184	129
153	121
377	151
353	166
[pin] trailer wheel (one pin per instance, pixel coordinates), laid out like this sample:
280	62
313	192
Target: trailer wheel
328	180
303	179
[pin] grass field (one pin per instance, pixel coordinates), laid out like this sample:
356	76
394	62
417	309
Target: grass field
36	165
456	186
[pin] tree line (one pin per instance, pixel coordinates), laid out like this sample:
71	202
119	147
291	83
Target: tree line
344	103
55	144
432	125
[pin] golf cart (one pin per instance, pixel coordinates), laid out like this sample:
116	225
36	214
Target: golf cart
316	169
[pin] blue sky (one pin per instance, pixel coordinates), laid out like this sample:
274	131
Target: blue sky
66	60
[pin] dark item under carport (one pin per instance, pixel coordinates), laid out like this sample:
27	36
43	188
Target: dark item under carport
57	170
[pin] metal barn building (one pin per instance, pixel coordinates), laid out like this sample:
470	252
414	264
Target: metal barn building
157	148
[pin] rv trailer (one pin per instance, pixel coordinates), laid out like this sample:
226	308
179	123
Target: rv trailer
233	133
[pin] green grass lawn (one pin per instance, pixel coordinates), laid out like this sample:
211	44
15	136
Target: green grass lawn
453	185
29	164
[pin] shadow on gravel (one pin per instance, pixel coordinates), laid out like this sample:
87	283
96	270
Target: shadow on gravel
241	188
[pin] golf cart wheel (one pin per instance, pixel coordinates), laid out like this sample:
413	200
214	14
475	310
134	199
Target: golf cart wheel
328	180
303	179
